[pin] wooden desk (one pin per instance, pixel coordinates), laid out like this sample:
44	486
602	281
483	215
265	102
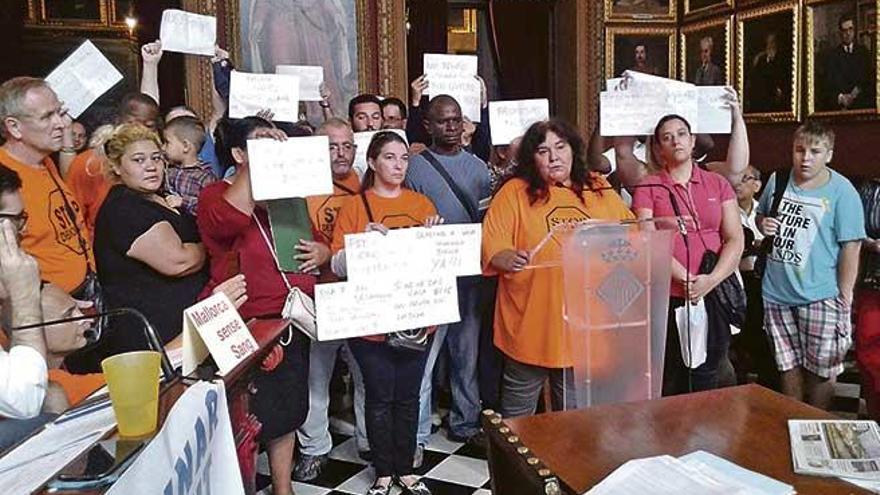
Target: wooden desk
746	425
237	382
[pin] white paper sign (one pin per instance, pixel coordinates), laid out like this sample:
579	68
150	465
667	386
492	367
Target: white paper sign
186	32
453	250
509	120
635	111
250	93
214	325
193	453
357	309
82	78
310	79
295	168
362	141
466	91
441	65
713	111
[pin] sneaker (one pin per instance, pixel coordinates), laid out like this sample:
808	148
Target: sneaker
417	488
378	489
418	456
309	467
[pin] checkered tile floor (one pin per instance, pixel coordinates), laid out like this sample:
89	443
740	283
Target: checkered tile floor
449	468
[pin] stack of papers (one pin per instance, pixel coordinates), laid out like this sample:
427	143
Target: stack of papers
698	473
847	449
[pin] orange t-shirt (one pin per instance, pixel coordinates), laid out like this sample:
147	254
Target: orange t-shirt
528	311
89	185
51	236
410	209
324	209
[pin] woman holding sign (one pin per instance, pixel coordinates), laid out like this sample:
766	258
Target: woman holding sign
392	373
238	237
550	187
148	253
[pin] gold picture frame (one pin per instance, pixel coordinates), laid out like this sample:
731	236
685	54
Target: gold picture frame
690	41
824	60
40	13
641	10
768	62
622	41
696	8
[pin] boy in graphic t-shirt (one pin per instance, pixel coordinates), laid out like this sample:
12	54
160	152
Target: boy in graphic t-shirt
812	267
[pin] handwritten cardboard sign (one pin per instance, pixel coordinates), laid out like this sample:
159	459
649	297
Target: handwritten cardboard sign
250	93
310	79
509	120
466	91
82	78
214	326
362	143
186	32
713	111
453	250
441	65
295	168
380	306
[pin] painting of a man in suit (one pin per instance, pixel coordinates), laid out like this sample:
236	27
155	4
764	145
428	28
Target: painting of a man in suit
847	83
768	81
708	73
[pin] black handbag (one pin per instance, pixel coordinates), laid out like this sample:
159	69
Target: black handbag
729	294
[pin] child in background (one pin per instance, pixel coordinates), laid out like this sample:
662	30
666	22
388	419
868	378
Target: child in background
187	175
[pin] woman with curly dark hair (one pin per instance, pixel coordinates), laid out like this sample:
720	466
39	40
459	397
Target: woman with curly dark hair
551	187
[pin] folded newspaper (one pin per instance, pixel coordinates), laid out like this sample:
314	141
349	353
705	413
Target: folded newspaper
848	449
698	473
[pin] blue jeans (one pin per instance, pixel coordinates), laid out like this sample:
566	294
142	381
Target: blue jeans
462	340
391	381
314	434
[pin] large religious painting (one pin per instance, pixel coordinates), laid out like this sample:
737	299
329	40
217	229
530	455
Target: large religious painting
644	49
303	32
768	62
644	10
842	57
701	7
706	50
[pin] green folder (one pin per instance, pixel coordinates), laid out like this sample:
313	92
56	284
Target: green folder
290	223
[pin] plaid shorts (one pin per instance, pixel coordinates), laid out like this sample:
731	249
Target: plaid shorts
815	336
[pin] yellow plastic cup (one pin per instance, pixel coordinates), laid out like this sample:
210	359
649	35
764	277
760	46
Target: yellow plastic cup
133	381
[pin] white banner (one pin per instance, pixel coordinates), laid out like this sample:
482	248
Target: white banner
251	93
453	250
295	168
193	453
385	305
186	32
82	78
509	120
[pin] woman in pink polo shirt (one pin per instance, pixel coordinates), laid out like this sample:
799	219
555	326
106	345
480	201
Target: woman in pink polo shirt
709	199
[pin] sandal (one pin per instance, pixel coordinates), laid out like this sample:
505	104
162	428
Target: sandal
417	488
378	489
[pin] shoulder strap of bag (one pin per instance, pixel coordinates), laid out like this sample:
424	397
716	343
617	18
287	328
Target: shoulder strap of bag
68	209
367	207
344	188
459	193
778	191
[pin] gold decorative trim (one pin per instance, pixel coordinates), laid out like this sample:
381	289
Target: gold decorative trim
794	7
686	31
859	114
711	9
610	15
199	73
612	32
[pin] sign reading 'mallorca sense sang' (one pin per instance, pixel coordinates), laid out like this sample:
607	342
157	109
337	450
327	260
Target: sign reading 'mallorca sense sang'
214	326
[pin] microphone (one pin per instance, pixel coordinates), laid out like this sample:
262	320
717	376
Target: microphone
149	332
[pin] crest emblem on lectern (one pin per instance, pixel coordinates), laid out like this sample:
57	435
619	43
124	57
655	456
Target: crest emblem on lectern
620	289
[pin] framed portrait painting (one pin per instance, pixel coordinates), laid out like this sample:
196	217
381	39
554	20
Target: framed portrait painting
768	74
842	58
644	49
702	7
642	10
706	52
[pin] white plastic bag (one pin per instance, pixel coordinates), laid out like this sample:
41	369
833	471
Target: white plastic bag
693	349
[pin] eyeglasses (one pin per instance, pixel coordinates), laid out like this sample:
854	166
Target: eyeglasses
19	219
335	148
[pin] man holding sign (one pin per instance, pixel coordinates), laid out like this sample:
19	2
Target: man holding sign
35	124
456	181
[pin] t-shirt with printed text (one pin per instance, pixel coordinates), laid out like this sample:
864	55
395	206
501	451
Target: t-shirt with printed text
528	311
802	265
51	235
324	209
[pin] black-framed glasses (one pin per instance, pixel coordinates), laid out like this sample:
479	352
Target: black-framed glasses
19	219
